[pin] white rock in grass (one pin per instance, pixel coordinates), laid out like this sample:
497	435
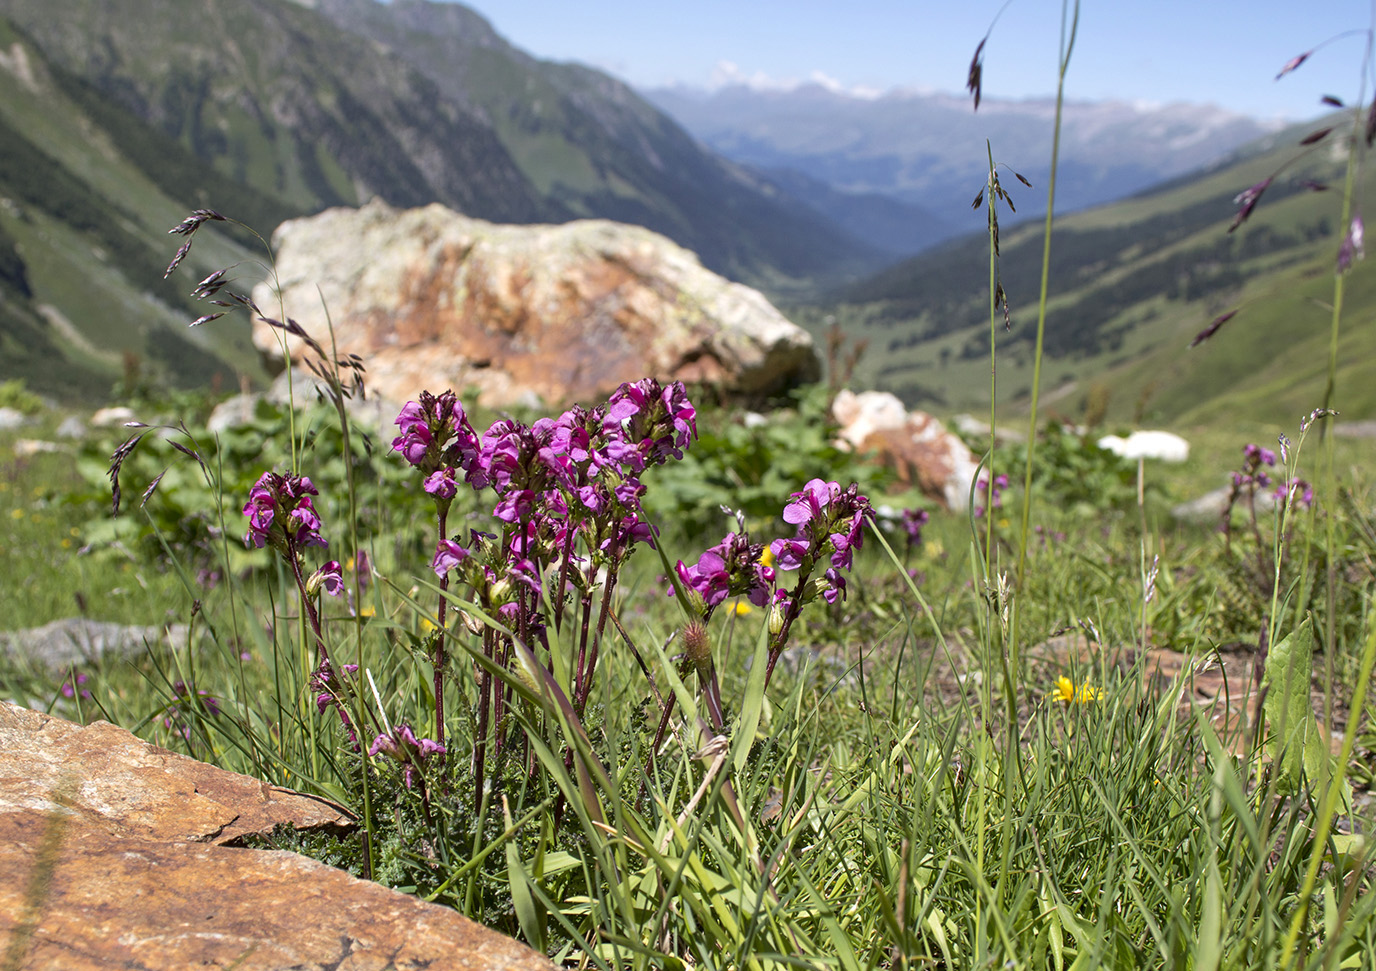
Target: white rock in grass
1165	446
106	417
28	447
71	427
12	418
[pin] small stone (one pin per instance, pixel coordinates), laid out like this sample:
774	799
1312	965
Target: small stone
77	640
71	427
11	418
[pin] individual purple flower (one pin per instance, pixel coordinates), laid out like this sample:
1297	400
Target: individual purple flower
1254	455
835	586
629	531
448	554
788	553
443	482
811	503
515	506
329	577
70	691
401	745
708	578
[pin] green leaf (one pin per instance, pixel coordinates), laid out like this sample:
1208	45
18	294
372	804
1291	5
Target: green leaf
529	913
1297	742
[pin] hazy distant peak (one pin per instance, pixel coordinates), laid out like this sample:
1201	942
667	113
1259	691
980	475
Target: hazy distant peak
728	74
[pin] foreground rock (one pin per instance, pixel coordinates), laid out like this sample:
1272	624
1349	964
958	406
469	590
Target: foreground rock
430	299
117	854
915	444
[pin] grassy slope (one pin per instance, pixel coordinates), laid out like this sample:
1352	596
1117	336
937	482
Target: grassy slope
87	217
1131	284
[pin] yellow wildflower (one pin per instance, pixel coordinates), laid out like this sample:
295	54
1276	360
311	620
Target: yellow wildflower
740	608
1067	694
767	557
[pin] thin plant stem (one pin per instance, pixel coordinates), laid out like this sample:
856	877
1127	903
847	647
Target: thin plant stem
1067	46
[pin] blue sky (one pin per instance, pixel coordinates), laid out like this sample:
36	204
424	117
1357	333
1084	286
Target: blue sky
1224	52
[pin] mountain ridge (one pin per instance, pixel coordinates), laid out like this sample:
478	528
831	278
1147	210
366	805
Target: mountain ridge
929	148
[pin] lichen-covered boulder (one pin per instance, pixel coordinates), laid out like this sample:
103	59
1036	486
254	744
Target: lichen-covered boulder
431	299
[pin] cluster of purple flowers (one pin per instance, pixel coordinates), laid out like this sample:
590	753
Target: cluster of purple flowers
830	525
281	515
988	497
732	568
913	521
575	473
401	745
1295	491
1254	457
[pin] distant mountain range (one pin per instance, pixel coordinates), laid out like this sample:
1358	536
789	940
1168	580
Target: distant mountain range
1131	284
928	150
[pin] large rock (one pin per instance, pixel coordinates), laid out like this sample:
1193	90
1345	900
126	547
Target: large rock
430	299
118	854
917	445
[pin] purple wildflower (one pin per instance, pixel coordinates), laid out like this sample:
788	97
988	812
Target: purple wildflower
731	568
70	691
1295	491
435	431
330	577
402	746
913	520
990	498
281	515
448	554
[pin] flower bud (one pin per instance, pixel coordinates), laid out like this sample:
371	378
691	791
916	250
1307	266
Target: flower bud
475	625
777	610
697	645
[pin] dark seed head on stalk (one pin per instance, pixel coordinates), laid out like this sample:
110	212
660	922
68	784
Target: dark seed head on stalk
1212	329
974	82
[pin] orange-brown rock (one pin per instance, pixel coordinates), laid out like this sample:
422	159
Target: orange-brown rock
117	854
918	446
430	300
